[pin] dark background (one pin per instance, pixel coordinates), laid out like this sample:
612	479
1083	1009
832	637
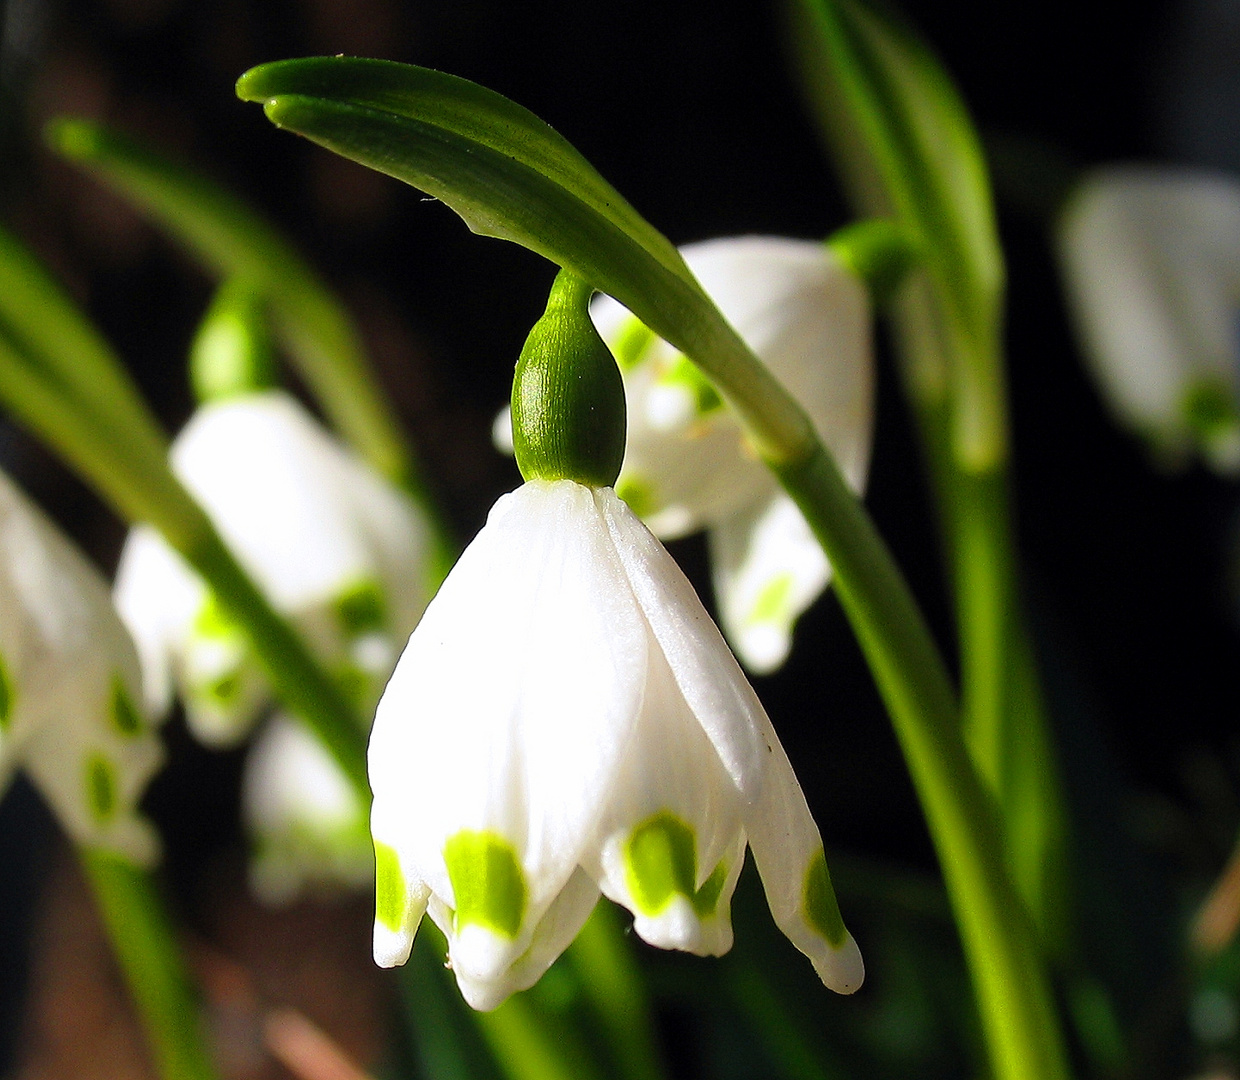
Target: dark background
689	109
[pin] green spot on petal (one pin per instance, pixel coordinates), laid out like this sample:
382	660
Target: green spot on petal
100	787
391	890
224	690
632	341
6	696
706	899
213	623
773	602
354	684
684	373
361	608
125	716
822	910
639	494
660	862
487	881
1209	408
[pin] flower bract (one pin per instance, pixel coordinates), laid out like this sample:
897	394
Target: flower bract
565	720
71	706
1151	259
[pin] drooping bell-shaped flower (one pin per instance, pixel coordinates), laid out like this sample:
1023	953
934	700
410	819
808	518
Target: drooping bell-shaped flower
70	687
308	828
568	719
333	546
688	466
1151	261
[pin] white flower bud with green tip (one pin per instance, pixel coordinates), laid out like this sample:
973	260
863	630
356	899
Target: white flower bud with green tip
308	828
688	465
568	719
335	548
1151	261
70	687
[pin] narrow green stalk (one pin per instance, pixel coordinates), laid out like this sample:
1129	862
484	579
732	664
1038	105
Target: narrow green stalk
611	980
1009	975
137	922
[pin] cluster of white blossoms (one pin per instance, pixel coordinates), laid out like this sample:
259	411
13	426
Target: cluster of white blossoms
1151	259
567	720
688	466
71	712
338	551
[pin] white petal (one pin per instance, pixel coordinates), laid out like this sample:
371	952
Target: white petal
307	824
553	934
706	672
808	319
73	686
508	711
673	817
1151	257
767	567
788	850
156	595
317	529
781	831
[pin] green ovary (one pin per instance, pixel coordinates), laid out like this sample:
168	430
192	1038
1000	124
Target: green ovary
391	890
487	881
660	863
822	910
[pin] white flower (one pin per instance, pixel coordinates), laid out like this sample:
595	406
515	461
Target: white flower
307	824
333	546
567	718
688	466
1151	258
70	687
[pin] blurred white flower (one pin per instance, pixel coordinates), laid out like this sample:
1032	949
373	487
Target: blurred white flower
567	718
688	466
308	827
1151	260
333	546
70	687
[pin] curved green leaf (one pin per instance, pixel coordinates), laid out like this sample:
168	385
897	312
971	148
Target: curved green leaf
510	175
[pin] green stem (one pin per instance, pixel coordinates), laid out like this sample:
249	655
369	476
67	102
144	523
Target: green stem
612	982
1004	718
444	1034
135	918
529	1045
999	941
